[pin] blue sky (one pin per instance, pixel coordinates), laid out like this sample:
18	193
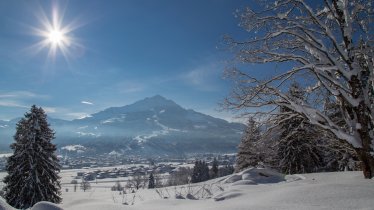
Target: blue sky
120	51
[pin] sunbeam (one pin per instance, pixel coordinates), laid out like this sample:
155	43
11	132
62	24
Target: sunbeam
56	35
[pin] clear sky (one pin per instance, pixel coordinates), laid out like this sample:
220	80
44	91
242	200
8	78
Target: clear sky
75	58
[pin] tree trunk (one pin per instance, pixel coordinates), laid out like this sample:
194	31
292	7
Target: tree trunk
367	163
365	153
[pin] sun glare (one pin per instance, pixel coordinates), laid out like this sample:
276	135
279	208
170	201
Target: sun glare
55	33
56	37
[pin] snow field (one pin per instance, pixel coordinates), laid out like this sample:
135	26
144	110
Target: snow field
250	190
253	188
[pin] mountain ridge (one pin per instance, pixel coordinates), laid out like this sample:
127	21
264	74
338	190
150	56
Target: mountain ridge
148	125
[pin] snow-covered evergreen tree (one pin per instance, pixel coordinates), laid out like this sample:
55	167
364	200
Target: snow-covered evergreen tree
298	152
337	155
297	149
33	168
248	154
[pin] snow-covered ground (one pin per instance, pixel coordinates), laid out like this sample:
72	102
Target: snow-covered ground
252	189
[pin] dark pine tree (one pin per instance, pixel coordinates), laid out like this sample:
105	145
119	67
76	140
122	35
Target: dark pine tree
196	173
205	172
200	172
151	182
33	168
214	170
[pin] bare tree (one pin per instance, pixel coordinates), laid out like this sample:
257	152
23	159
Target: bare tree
85	185
138	181
159	180
328	47
180	177
117	186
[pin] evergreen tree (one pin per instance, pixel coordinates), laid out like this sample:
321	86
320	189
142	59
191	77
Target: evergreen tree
200	172
33	167
214	170
205	172
226	170
151	183
298	152
196	173
337	155
297	149
248	154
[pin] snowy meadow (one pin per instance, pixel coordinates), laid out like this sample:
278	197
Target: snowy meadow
250	189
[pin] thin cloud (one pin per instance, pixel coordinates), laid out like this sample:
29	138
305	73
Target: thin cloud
50	109
10	103
78	115
21	94
87	102
204	77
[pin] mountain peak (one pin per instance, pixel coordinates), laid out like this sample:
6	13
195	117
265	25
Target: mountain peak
149	103
158	97
156	100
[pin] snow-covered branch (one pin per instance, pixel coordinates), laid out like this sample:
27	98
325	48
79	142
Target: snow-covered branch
328	45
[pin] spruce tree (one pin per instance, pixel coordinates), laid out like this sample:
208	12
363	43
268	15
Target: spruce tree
200	172
248	155
33	168
205	172
297	149
298	152
337	155
214	170
196	173
151	182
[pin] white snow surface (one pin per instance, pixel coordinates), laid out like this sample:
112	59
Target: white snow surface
164	131
73	147
251	189
43	205
4	205
4	155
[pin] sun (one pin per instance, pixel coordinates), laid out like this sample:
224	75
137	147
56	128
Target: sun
56	37
55	33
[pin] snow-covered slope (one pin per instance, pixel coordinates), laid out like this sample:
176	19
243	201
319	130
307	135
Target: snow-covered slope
269	191
252	189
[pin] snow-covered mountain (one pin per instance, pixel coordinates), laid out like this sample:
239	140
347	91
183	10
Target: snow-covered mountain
154	124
